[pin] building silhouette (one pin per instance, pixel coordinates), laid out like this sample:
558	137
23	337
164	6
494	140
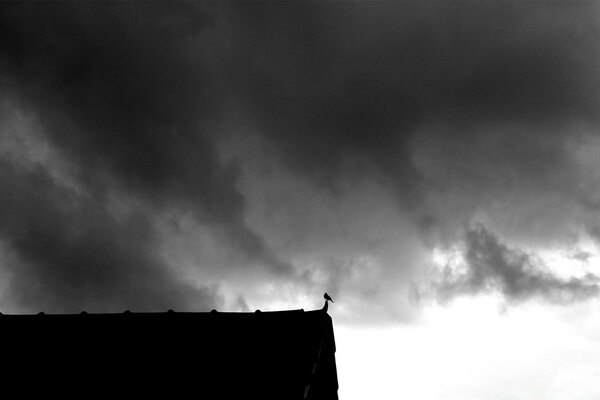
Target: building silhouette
214	355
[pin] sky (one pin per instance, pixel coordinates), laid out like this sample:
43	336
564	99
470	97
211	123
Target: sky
433	166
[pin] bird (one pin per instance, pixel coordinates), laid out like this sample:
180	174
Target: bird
327	297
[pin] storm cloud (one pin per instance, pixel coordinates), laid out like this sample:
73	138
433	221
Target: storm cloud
465	113
123	92
317	145
329	81
73	255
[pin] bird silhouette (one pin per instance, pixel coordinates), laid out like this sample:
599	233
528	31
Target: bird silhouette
327	297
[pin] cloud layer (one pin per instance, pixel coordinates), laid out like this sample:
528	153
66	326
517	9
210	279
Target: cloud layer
304	146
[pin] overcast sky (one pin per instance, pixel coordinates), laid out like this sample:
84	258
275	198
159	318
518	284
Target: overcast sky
433	166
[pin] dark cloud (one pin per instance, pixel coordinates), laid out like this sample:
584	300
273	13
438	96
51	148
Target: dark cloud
465	111
458	110
129	91
128	94
328	81
73	255
491	266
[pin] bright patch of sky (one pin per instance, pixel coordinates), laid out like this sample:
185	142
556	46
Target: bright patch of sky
475	349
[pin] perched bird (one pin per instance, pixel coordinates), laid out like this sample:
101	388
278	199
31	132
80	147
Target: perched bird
327	297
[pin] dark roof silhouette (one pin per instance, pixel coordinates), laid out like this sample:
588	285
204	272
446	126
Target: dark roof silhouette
259	355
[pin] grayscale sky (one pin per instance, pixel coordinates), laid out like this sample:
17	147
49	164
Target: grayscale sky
434	166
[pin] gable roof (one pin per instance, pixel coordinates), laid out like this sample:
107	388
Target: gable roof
263	355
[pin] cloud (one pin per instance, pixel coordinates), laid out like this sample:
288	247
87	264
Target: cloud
127	97
327	82
129	94
72	254
491	266
389	126
463	112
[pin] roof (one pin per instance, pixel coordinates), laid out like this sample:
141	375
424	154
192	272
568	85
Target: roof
283	355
